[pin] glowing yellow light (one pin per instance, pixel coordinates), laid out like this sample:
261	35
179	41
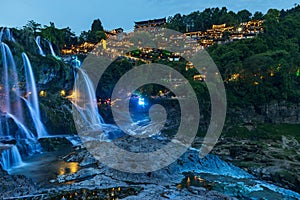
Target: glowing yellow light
272	74
70	168
179	186
200	77
188	180
104	44
74	95
256	83
62	93
42	93
201	180
234	77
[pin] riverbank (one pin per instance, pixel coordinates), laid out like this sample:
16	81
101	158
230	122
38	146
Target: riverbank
268	151
189	177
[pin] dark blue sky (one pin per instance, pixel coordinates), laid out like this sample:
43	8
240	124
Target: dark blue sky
78	14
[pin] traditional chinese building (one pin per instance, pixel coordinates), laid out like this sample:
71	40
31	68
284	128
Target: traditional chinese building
150	24
87	47
219	33
83	48
114	32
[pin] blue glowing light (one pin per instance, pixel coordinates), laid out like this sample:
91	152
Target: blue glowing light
141	102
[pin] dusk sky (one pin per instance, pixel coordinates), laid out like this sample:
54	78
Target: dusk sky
78	15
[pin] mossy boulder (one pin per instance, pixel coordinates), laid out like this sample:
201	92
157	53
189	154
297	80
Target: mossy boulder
56	113
55	143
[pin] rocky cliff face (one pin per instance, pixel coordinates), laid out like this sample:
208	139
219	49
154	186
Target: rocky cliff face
275	112
56	113
51	75
272	160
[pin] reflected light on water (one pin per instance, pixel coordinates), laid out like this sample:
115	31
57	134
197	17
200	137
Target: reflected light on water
68	168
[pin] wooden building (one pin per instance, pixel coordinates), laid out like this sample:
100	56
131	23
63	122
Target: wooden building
160	23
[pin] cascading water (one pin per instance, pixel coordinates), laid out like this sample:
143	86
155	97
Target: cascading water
9	154
10	157
87	117
75	62
32	98
12	114
38	43
25	133
5	33
9	35
51	49
12	102
84	99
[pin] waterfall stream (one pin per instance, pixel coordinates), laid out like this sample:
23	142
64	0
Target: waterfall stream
38	43
12	108
32	98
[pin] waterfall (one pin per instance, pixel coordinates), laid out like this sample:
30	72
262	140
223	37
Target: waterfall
26	138
25	133
10	157
32	101
38	42
11	82
75	62
12	110
9	35
5	33
84	100
87	117
51	49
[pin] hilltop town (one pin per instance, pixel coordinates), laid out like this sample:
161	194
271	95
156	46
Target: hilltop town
218	33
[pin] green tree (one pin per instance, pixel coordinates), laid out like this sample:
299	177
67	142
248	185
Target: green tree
58	37
34	26
271	25
258	16
69	37
95	35
177	23
97	26
244	15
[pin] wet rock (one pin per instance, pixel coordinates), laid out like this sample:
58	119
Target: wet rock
14	186
54	143
88	160
160	184
273	112
56	114
272	160
80	175
160	192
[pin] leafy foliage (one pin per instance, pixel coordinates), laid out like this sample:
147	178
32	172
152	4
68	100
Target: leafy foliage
266	64
95	35
204	20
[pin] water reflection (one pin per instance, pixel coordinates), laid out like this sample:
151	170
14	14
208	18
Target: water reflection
240	188
44	167
68	168
107	194
193	180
